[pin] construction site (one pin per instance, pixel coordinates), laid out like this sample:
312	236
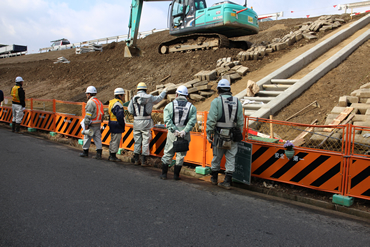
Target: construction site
298	77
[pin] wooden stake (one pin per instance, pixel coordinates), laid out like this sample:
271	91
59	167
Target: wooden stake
295	114
271	128
165	78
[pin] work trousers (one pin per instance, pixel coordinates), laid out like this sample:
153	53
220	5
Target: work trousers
115	139
96	137
169	151
17	113
142	140
230	154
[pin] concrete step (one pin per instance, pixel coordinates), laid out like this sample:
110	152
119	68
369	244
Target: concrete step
252	106
248	112
284	81
259	99
275	87
269	93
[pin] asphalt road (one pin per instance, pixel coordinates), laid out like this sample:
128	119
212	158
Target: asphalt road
49	196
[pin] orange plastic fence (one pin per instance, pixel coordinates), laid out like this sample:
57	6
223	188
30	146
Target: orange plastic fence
334	159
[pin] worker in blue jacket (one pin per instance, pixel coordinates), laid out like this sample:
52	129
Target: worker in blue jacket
116	122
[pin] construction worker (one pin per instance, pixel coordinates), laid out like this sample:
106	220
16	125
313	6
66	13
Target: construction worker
141	107
116	122
1	97
92	120
18	104
224	125
179	116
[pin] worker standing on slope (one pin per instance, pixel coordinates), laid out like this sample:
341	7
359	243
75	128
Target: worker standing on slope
93	119
116	122
18	104
224	125
179	116
141	107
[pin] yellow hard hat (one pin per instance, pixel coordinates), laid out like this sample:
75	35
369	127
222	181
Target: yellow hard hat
141	85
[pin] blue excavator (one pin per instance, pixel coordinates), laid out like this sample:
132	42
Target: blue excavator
196	26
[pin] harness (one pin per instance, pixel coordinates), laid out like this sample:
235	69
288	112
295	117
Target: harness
15	94
113	117
140	110
229	110
180	112
99	111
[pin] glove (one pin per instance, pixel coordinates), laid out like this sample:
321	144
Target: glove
164	90
182	133
24	108
210	139
176	133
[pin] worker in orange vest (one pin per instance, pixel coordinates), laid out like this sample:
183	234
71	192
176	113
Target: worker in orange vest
18	104
92	121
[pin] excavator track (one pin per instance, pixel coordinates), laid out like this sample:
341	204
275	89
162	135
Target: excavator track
197	41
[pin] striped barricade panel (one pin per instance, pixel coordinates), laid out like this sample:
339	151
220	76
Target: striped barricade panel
158	142
27	118
105	133
68	125
359	178
43	120
6	114
308	169
196	148
128	138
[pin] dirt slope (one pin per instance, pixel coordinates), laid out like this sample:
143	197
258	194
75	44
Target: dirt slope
109	69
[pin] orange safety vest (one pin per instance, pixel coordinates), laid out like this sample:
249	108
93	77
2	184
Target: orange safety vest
113	117
99	111
15	95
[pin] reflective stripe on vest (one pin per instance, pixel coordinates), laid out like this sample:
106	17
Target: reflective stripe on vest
140	111
99	111
113	117
15	94
180	110
229	117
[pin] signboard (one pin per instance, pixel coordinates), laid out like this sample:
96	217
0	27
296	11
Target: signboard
243	163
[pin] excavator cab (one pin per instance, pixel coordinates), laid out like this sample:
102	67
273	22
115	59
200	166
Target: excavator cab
182	13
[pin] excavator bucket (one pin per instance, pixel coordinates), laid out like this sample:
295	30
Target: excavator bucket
132	52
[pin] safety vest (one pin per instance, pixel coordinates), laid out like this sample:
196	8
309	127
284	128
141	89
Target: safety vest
15	94
229	110
113	117
99	111
140	110
181	111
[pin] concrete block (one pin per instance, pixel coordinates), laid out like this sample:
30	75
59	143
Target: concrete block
367	85
359	118
171	97
227	77
193	90
202	170
281	46
298	37
362	108
156	92
353	99
363	100
206	93
204	87
309	36
235	77
337	110
364	92
342	200
242	70
196	97
159	86
230	64
221	70
343	101
269	50
201	83
162	103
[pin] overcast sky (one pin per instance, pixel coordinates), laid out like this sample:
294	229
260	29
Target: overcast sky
35	23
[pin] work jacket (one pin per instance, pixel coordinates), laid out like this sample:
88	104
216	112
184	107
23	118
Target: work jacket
18	95
116	116
94	111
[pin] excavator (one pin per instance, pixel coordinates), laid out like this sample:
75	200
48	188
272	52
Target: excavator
197	27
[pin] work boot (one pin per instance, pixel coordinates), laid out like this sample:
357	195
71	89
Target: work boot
113	157
85	153
17	127
226	184
136	159
214	178
13	126
176	172
98	154
144	159
164	171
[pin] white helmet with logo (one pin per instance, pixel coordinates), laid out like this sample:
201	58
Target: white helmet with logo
182	90
18	79
91	89
223	83
119	91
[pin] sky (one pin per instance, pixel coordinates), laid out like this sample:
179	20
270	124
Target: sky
35	23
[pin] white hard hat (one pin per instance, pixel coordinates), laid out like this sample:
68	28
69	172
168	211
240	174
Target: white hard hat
182	90
91	89
119	91
223	83
18	79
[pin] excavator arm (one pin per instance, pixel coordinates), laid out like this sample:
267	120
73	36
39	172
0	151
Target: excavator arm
131	50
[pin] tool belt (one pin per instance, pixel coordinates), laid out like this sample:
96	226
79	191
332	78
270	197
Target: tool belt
181	145
223	139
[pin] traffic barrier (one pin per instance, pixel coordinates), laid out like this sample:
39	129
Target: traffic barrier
337	161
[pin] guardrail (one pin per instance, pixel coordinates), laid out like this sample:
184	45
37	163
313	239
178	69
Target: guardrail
13	54
353	6
337	161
